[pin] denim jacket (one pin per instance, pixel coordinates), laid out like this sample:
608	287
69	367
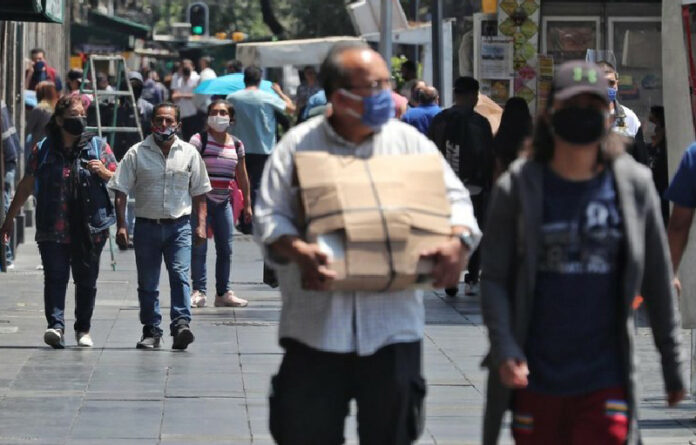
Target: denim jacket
91	189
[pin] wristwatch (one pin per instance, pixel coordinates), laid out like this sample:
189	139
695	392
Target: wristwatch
467	240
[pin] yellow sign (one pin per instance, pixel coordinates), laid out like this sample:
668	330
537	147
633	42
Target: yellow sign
489	6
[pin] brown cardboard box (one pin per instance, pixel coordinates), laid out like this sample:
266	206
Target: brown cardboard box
375	216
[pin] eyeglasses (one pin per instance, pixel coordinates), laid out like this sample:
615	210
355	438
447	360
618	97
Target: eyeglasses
375	85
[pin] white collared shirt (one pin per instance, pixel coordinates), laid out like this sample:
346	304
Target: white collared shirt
360	322
162	187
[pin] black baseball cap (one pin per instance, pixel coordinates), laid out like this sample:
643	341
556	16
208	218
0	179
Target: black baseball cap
75	74
580	77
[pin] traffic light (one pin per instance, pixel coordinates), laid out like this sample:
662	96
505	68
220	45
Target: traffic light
197	15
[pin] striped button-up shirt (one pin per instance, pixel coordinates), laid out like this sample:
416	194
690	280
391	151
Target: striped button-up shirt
162	187
360	322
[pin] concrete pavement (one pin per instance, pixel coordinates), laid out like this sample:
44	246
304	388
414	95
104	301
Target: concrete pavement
215	392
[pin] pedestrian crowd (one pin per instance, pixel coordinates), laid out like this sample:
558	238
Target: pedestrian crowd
571	226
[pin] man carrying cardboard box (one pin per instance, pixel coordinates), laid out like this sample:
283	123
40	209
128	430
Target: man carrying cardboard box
353	344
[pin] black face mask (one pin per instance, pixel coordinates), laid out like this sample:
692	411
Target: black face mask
578	125
74	125
187	72
137	91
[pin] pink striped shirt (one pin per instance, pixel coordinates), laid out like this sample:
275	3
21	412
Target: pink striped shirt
221	163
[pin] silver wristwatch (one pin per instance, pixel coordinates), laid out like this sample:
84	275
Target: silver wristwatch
467	240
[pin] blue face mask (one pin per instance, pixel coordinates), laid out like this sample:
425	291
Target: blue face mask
612	94
377	109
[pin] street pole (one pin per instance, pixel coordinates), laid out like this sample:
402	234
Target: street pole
414	7
385	38
437	43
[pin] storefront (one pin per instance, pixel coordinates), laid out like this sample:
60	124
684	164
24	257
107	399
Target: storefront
516	49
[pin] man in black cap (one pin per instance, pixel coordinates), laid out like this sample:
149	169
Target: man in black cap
465	139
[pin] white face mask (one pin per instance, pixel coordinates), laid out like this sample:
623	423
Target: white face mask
219	123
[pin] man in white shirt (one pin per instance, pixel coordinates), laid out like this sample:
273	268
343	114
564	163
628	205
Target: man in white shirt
167	177
182	95
349	345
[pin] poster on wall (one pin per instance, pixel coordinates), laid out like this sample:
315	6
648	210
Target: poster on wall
496	58
498	90
569	38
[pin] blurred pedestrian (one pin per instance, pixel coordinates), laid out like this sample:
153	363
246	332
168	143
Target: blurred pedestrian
409	75
657	157
428	107
38	118
625	122
572	236
256	122
182	95
67	172
223	155
465	139
234	66
306	89
340	346
513	134
153	90
167	178
39	70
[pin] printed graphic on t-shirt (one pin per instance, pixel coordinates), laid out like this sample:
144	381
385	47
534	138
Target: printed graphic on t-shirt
587	242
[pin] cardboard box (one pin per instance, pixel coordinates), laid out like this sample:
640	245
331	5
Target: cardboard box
375	216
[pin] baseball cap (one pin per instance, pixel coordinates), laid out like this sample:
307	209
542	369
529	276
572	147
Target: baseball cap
134	75
75	74
580	77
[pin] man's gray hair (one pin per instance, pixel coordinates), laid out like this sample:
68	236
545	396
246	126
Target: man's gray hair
332	74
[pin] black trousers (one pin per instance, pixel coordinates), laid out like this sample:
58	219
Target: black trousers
479	202
254	165
310	395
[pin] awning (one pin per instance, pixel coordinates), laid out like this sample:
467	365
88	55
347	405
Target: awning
118	24
288	52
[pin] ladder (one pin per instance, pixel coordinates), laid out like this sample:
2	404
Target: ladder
121	75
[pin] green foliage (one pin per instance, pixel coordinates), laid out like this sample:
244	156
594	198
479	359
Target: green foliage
301	18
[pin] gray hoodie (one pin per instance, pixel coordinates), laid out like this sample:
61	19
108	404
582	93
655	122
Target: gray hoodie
509	262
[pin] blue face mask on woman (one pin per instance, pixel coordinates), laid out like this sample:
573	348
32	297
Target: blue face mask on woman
377	108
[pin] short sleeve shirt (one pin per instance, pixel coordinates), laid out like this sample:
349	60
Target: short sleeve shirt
61	229
162	187
682	190
256	123
221	163
182	85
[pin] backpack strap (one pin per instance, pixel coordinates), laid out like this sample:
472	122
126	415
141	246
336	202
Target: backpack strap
204	141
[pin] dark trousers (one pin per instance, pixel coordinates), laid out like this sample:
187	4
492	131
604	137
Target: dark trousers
310	395
57	260
479	203
254	165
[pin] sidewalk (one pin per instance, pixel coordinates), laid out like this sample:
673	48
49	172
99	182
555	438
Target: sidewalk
215	392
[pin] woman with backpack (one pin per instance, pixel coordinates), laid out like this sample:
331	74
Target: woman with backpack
573	235
223	155
67	173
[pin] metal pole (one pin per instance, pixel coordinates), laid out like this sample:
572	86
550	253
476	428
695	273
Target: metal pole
438	47
385	38
414	8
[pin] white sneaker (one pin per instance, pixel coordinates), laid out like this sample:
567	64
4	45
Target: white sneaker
54	338
84	339
229	299
198	299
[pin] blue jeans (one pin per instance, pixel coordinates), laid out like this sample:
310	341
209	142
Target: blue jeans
222	221
153	242
7	196
58	259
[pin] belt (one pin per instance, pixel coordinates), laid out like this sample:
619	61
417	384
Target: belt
162	220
